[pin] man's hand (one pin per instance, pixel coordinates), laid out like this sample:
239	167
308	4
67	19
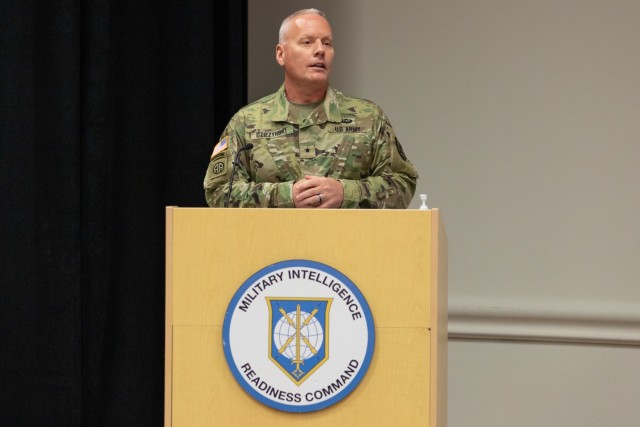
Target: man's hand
318	192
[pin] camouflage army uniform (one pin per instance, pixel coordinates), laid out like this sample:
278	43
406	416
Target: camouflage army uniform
344	138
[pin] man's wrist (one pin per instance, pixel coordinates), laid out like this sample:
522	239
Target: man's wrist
283	196
352	193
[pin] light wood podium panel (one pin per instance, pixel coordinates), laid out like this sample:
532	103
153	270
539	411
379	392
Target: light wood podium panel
397	259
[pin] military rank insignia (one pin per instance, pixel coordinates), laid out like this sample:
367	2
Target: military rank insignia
298	336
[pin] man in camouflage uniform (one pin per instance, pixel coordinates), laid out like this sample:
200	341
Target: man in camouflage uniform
313	147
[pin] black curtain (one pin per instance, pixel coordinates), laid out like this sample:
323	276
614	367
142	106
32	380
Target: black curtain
109	111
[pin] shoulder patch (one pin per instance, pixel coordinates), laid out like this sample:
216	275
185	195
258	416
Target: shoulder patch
220	146
400	150
218	168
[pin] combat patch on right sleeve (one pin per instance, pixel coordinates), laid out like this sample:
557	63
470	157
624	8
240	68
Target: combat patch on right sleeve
218	167
218	170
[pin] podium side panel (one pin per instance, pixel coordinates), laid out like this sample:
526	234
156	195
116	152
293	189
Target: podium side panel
168	336
439	322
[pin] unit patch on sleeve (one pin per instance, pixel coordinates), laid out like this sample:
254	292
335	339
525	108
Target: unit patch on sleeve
218	168
400	150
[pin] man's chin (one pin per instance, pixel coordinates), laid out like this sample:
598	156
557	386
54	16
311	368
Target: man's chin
318	79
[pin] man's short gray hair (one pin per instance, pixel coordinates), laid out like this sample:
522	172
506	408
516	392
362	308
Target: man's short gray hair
286	24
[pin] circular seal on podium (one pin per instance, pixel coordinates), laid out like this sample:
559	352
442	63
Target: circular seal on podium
298	336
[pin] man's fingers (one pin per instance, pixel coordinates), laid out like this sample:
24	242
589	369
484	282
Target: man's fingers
315	191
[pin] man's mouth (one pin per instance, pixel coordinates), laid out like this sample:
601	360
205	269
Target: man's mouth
318	65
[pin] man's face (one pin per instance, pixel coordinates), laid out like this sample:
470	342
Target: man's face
307	52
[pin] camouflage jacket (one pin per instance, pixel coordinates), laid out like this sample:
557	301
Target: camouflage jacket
348	139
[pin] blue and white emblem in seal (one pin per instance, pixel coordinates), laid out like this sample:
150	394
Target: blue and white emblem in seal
298	336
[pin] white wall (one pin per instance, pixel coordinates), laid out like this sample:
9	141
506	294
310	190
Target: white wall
523	119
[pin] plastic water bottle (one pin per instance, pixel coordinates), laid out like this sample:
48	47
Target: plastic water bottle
423	206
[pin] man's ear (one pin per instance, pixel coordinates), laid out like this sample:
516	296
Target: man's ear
280	54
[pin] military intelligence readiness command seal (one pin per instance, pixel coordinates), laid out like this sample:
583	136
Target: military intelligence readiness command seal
298	336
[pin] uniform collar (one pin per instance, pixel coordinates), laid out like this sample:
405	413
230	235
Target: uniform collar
330	111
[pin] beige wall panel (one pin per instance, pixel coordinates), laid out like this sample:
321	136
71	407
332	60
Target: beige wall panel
522	120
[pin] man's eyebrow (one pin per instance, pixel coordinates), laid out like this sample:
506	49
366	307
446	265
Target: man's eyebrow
313	36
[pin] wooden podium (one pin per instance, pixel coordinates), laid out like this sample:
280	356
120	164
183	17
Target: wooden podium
398	260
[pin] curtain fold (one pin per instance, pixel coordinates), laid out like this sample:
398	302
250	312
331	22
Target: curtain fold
109	111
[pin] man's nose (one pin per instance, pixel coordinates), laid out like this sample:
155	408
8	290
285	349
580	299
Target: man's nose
319	48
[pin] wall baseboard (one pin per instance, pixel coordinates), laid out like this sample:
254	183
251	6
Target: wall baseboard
589	323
